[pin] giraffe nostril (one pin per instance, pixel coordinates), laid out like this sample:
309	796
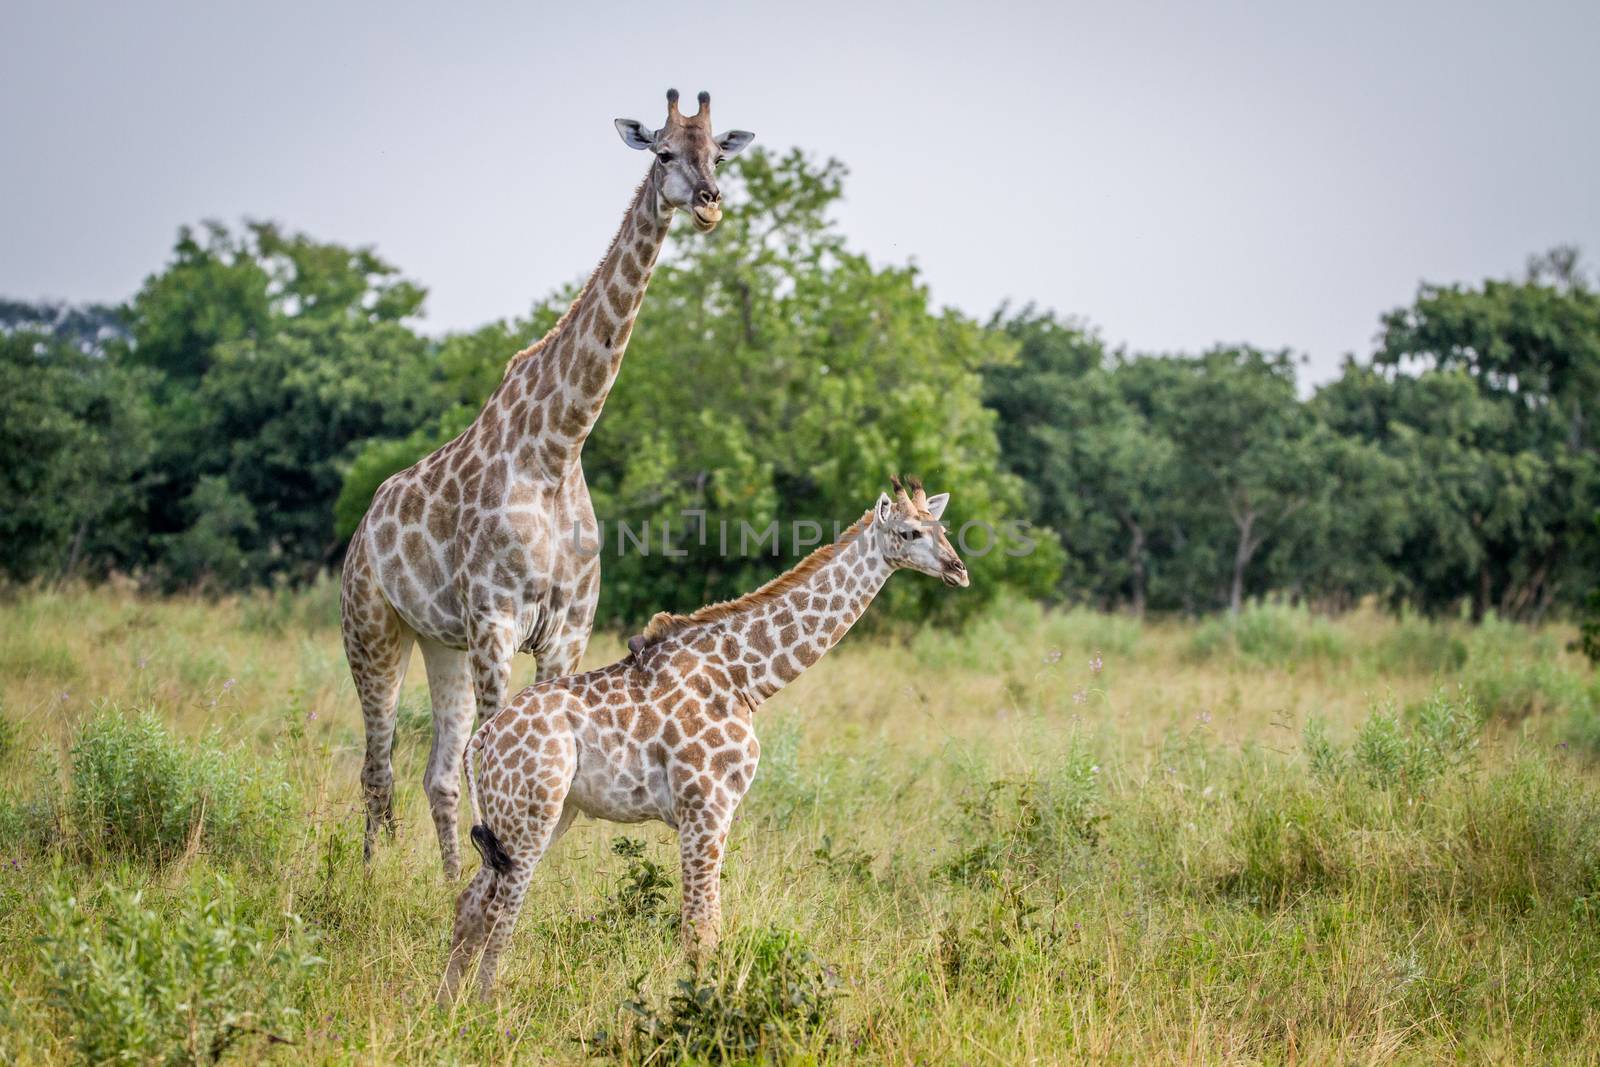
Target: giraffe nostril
709	197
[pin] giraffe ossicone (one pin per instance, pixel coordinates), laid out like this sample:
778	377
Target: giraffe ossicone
668	732
475	552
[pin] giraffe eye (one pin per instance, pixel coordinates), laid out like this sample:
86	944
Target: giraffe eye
721	160
665	157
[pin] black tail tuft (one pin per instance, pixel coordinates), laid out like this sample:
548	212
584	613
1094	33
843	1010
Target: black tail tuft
488	847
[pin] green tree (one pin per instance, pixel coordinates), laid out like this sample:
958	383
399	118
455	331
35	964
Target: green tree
74	432
1491	393
1095	470
275	357
1245	462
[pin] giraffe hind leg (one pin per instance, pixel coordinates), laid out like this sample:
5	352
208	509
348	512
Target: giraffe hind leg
487	909
520	824
467	937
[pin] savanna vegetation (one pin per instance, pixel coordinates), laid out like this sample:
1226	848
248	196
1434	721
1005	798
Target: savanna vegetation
1279	745
1363	840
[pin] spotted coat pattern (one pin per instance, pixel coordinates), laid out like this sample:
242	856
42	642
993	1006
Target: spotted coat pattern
489	546
668	732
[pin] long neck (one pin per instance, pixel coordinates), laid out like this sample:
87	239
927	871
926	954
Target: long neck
792	628
566	377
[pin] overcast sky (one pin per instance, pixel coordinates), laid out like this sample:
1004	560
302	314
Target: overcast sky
1179	174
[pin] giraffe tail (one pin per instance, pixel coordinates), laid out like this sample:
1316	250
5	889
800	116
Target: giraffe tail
483	839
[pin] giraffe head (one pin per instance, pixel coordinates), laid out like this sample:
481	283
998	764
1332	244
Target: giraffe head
910	535
687	154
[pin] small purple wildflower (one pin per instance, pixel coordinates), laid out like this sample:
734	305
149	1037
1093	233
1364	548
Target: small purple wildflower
1096	663
229	684
1080	696
1053	656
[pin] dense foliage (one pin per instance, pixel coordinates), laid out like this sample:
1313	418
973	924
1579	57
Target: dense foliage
229	425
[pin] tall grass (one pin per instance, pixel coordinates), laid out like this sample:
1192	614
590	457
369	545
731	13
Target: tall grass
1051	838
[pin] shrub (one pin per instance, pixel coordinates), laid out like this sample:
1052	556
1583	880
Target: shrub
1285	845
1515	689
137	790
1421	646
769	999
1011	944
22	655
139	986
1439	735
1007	636
1582	728
1532	837
32	822
845	860
1269	634
314	606
640	895
1031	825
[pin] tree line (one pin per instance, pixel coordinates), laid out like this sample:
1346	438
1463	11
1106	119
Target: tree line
226	427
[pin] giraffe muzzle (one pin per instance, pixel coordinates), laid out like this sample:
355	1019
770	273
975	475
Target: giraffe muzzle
706	216
955	575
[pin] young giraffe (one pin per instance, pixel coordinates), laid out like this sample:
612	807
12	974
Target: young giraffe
487	546
667	732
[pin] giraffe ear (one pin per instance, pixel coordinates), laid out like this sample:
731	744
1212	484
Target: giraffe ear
883	508
936	504
635	135
733	142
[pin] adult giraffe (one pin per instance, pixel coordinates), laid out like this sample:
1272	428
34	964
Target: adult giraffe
486	547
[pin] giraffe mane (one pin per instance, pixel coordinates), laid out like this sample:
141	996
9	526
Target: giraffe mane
664	624
566	316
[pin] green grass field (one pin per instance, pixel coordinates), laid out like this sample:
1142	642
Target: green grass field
1293	841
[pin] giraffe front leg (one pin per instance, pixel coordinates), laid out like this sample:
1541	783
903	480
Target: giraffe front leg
493	644
451	686
563	660
566	651
378	646
702	841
